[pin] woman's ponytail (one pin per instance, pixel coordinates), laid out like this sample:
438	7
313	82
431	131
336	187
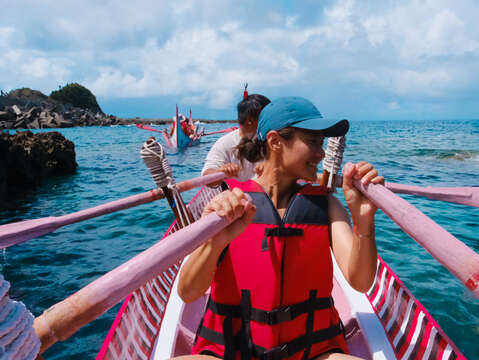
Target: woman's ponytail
252	150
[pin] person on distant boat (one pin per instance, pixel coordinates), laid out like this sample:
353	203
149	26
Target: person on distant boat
186	125
222	156
271	270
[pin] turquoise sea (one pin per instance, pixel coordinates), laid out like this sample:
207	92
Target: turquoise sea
45	270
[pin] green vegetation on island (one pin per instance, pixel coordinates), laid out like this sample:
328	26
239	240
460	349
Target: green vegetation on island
78	96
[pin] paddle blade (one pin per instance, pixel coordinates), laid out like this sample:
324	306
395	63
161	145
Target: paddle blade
16	233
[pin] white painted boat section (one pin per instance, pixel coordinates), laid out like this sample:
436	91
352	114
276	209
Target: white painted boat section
164	343
368	321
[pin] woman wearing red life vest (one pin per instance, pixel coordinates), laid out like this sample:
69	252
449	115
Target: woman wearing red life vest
270	271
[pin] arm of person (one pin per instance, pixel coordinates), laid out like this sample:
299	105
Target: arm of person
198	271
230	169
218	160
355	249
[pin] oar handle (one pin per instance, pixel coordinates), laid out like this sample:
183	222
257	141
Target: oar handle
453	254
64	318
16	233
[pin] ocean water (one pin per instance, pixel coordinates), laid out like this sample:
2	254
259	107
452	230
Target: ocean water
46	270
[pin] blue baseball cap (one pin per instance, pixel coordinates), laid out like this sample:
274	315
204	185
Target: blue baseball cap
300	113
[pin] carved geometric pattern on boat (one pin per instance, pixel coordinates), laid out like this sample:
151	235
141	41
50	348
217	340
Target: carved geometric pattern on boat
410	329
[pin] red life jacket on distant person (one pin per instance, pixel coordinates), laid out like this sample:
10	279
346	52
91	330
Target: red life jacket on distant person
185	127
271	293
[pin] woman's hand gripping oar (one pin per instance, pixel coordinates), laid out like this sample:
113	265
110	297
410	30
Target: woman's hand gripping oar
453	254
63	319
16	233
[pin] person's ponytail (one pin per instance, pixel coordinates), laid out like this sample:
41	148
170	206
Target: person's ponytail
252	150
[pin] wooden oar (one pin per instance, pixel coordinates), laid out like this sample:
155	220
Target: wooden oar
221	131
16	233
453	254
461	195
63	319
146	127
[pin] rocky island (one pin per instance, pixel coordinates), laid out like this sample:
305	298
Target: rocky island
72	105
26	159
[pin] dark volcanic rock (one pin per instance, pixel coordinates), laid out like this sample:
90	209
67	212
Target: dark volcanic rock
26	158
30	109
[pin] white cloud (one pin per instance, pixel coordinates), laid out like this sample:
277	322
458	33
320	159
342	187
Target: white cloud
201	60
423	29
203	52
376	28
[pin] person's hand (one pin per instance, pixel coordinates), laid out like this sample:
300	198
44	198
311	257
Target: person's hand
235	206
361	207
230	169
259	168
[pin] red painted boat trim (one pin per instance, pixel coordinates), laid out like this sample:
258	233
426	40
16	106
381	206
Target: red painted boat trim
416	309
113	327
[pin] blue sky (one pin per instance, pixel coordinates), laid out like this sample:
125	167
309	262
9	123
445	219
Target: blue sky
355	59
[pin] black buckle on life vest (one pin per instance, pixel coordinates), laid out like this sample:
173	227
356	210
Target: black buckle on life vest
280	315
280	232
273	317
277	353
283	231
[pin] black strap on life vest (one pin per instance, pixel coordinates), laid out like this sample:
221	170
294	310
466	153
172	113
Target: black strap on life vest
279	232
275	316
309	324
246	343
242	340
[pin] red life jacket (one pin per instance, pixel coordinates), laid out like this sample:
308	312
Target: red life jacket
185	127
271	293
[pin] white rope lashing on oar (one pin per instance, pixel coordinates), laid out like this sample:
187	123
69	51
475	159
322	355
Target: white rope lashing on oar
334	157
155	160
18	339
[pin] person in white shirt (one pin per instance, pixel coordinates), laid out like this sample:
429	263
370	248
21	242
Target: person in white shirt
222	156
